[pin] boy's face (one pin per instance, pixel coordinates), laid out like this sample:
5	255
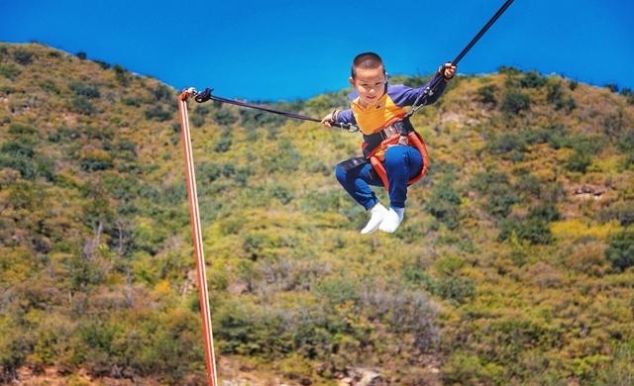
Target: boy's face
370	84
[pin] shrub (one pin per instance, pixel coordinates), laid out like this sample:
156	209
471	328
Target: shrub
121	75
528	186
162	92
546	212
506	143
514	102
225	117
285	159
94	160
23	57
555	96
10	72
500	200
623	211
158	114
464	368
532	79
131	102
620	252
102	64
84	90
444	202
486	94
533	230
83	106
81	55
578	162
508	70
197	120
49	86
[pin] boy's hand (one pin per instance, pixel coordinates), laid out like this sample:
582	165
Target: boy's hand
447	70
329	119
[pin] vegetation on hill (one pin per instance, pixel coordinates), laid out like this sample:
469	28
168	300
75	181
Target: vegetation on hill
513	266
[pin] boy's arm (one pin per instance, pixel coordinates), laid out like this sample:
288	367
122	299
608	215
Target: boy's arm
345	117
339	116
406	96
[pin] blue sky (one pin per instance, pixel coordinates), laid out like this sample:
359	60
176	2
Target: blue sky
286	49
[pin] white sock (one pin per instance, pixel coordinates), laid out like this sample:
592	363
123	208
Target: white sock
377	213
392	220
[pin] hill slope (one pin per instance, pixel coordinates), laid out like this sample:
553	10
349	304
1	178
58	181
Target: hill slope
513	265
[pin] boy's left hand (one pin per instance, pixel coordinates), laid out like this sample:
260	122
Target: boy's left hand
447	70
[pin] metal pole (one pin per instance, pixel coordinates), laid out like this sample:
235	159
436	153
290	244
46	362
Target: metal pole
201	275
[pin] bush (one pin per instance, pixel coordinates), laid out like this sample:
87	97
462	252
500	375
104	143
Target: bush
500	200
95	160
121	75
163	93
102	64
131	102
578	162
514	102
555	97
508	70
620	252
158	114
49	86
23	57
197	120
10	72
532	79
506	143
444	202
286	159
224	143
623	211
533	230
86	90
546	212
82	105
21	156
81	55
529	186
486	94
225	117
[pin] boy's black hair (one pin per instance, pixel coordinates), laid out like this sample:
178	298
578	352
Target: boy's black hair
366	60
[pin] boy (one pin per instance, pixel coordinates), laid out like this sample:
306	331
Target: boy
376	109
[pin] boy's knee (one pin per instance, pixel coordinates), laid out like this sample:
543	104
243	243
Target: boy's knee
394	157
340	173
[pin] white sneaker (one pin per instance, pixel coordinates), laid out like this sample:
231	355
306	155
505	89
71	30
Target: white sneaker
377	213
392	220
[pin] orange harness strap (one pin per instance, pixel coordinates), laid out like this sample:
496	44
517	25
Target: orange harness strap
417	142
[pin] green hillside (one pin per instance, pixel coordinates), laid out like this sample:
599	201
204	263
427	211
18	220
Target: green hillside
513	265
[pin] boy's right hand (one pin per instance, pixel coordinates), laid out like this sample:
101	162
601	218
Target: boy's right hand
329	119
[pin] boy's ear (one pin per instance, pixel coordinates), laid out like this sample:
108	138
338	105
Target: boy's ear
351	80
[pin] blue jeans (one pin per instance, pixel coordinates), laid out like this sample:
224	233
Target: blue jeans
401	164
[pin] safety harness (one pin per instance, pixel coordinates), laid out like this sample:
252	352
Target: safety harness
375	145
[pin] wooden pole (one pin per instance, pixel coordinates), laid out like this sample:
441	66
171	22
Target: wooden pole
194	214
